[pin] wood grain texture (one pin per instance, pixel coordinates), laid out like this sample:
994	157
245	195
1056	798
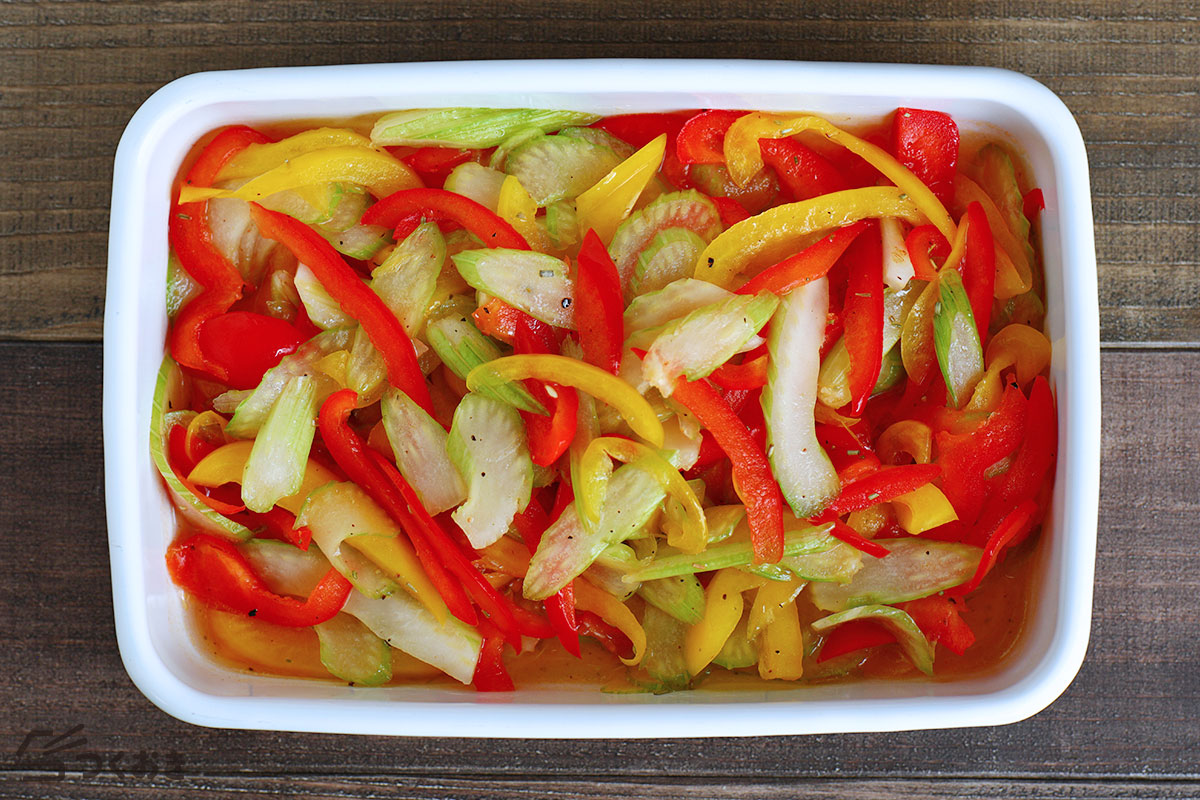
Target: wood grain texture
72	73
1127	727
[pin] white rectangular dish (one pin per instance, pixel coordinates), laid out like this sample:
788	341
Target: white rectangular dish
173	672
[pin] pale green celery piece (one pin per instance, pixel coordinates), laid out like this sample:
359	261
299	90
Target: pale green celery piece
562	224
347	209
891	371
664	661
914	568
461	347
705	339
402	622
733	554
279	456
670	256
833	382
334	513
998	177
680	449
236	236
366	371
687	209
568	547
681	596
351	652
487	445
252	412
512	142
772	572
800	465
322	309
543	476
468	127
609	579
956	339
283	301
723	521
837	564
911	640
190	507
738	651
676	299
537	283
407	278
419	443
600	137
285	568
481	184
360	241
181	287
554	168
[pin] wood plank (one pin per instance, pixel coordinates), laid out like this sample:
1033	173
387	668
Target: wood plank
1132	714
71	74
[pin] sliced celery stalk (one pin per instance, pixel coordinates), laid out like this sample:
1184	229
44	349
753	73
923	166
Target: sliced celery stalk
681	596
956	339
350	651
676	299
407	278
705	339
837	564
334	513
998	177
359	241
562	224
480	183
487	444
914	568
468	127
664	661
601	137
833	382
181	287
688	209
738	651
568	547
733	554
285	568
402	622
462	348
670	256
279	458
898	268
190	507
559	167
366	371
419	444
322	309
911	640
538	284
805	474
512	142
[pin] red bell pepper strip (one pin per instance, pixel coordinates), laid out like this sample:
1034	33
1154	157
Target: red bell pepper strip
490	673
701	139
939	619
849	451
245	345
886	484
802	171
863	317
1032	204
279	523
353	458
752	472
809	264
498	319
922	242
856	540
354	296
548	436
927	143
181	465
212	570
710	453
750	374
191	239
438	204
436	162
978	267
1015	526
731	211
599	307
609	636
966	457
855	635
560	607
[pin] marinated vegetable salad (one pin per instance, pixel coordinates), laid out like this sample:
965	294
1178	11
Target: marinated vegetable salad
698	391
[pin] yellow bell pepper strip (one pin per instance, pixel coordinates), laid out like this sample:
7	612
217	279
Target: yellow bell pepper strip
923	509
917	350
779	232
259	158
723	607
567	371
744	158
694	536
771	598
518	209
205	433
603	206
615	613
1014	274
226	465
775	618
378	171
911	639
1021	346
907	437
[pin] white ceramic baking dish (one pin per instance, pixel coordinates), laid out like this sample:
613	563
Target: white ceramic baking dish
176	675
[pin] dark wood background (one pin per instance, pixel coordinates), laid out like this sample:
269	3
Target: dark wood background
72	73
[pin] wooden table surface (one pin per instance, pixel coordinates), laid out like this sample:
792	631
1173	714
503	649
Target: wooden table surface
72	73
